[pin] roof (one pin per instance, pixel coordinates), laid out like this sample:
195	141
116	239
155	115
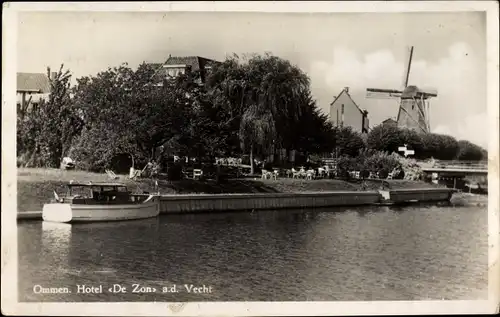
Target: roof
155	65
196	62
33	82
345	92
389	120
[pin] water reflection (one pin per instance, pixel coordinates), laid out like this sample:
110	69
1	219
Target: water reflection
384	253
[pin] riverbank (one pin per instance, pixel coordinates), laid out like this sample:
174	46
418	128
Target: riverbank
36	186
468	199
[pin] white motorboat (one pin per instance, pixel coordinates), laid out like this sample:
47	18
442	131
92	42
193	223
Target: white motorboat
88	202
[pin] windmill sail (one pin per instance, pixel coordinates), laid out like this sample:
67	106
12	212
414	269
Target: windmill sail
406	74
413	110
383	93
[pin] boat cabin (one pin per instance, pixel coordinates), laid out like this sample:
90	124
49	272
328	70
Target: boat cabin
100	193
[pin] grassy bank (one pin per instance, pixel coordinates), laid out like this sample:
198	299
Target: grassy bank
36	186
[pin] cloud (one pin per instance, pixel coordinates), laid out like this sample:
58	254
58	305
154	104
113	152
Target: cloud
472	128
459	78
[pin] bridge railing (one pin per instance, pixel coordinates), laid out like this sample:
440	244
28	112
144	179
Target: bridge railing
483	165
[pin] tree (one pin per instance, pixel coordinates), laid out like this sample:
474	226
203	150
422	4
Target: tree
263	95
386	138
439	146
469	151
312	132
210	128
48	132
135	116
413	140
348	142
426	145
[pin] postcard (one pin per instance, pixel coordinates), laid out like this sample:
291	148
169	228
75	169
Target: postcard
250	158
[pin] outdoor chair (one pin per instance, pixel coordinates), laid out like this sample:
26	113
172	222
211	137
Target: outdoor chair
197	174
302	173
266	174
321	172
356	174
328	171
276	173
134	174
295	173
310	174
112	174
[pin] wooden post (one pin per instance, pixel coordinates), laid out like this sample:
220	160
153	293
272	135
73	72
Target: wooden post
23	102
454	182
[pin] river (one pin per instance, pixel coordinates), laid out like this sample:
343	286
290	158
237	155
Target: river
387	253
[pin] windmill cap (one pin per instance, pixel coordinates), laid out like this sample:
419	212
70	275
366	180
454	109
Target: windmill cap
415	92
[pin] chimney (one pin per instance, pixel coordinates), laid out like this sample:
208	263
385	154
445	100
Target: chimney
52	75
346	89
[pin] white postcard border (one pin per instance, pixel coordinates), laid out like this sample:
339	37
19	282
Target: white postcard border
10	305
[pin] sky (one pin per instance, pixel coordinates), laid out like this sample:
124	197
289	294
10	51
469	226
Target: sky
336	50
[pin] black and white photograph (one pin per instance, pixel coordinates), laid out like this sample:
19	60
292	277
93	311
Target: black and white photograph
250	158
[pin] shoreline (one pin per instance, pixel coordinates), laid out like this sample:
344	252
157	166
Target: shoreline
36	186
183	204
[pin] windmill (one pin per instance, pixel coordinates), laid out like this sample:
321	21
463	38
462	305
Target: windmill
414	105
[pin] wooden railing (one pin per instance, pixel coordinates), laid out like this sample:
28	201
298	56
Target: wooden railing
472	165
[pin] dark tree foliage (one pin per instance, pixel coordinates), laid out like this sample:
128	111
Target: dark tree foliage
124	112
385	138
347	141
265	97
468	151
252	105
426	145
45	134
439	146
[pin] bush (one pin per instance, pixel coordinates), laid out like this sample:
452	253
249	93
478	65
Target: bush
174	172
348	141
439	146
385	138
364	174
374	161
400	174
383	173
345	164
412	170
468	151
426	145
